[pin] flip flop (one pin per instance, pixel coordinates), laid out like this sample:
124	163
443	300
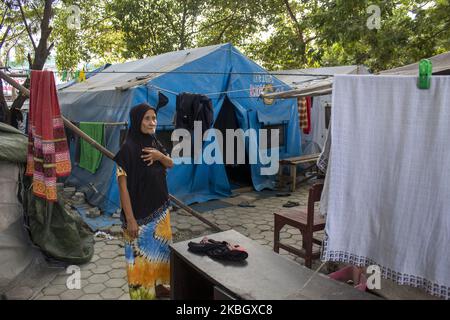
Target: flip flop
236	253
219	249
204	246
246	204
291	204
285	194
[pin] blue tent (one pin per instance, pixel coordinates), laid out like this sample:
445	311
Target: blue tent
232	81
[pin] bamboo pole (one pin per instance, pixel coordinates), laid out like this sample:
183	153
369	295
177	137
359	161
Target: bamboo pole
105	151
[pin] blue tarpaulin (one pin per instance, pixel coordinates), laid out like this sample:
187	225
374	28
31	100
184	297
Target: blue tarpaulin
220	72
98	223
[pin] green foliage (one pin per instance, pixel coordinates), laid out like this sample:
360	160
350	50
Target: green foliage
95	39
409	31
279	34
238	22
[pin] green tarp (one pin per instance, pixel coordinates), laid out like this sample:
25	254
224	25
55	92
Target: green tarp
58	232
13	144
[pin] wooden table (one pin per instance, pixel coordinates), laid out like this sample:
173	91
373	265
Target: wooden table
293	162
263	275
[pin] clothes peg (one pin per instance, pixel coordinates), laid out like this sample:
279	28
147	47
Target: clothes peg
425	72
82	76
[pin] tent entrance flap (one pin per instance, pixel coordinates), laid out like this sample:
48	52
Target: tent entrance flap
239	175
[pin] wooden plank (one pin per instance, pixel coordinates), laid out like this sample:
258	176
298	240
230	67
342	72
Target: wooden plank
289	162
279	278
301	159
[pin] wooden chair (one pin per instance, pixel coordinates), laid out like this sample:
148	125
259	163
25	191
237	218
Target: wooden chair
306	221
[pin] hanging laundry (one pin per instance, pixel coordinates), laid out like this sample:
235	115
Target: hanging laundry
323	164
74	144
302	112
48	153
77	76
193	107
388	199
82	76
90	158
308	102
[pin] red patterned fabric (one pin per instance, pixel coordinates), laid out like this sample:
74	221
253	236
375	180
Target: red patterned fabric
48	152
307	129
302	112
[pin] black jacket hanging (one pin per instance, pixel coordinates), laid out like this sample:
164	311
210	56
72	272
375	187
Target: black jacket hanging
193	107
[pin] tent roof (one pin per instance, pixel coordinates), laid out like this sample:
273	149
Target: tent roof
129	74
441	64
314	81
88	75
295	77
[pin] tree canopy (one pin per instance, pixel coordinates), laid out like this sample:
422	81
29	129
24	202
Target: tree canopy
279	34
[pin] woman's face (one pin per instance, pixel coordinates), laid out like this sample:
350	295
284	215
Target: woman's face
148	124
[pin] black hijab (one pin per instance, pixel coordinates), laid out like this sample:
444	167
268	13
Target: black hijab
146	184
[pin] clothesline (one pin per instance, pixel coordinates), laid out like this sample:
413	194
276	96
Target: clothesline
299	73
216	93
230	91
124	123
111	123
116	123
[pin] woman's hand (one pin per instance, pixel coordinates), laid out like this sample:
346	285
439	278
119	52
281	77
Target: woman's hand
151	154
132	228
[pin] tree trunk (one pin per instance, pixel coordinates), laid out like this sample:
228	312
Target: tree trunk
300	35
183	27
42	51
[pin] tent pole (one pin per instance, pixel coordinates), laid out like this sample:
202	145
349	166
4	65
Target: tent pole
105	151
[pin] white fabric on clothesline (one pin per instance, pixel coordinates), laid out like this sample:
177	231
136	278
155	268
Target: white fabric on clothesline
389	192
323	165
315	140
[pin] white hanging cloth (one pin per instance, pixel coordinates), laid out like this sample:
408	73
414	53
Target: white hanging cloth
389	179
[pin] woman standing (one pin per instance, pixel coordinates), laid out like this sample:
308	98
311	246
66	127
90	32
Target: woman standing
142	162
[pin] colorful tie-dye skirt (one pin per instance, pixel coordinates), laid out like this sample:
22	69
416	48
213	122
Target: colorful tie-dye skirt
147	257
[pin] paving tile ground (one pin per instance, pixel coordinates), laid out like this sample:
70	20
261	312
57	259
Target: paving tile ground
104	277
